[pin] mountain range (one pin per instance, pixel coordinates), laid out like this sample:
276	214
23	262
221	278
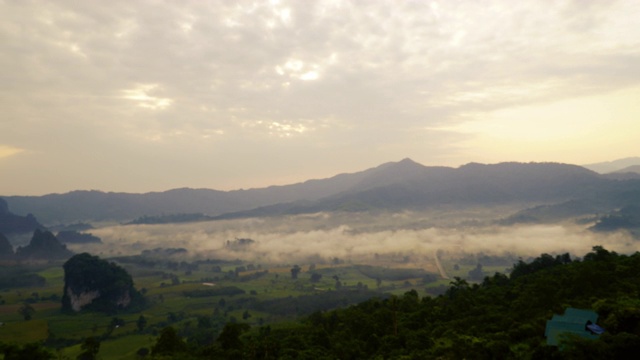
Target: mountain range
630	164
391	186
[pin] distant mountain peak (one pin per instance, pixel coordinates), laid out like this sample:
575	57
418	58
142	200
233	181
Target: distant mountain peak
11	223
402	166
43	245
407	161
613	166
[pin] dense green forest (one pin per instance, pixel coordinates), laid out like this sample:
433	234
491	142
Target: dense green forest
503	317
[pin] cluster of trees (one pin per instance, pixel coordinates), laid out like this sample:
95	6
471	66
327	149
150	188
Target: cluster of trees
19	277
169	219
628	217
502	317
74	237
32	351
395	274
214	291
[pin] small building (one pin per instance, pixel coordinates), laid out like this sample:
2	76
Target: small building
574	321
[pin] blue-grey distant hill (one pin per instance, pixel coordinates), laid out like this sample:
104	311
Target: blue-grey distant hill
630	169
11	223
391	186
410	186
98	206
43	246
613	166
621	169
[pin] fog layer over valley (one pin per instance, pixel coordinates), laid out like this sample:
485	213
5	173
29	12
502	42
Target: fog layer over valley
400	212
401	238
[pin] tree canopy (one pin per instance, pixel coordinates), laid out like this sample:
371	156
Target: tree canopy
502	317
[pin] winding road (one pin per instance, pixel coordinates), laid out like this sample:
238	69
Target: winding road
443	274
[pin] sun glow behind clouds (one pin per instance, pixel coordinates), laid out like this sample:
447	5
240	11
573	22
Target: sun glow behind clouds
286	130
8	151
297	80
141	94
298	69
558	127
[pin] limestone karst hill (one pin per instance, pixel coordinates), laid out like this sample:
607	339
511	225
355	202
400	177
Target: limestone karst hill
95	284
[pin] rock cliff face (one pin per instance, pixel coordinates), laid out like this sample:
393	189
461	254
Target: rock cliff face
84	298
95	284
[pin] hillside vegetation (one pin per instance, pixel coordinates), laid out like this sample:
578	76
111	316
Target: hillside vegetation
503	317
255	314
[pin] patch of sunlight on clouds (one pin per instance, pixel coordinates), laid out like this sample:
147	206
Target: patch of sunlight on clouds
210	133
286	130
311	75
8	151
300	70
284	15
435	9
231	23
141	94
294	65
125	28
281	15
458	37
281	129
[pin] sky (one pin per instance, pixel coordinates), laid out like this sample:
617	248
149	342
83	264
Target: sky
139	96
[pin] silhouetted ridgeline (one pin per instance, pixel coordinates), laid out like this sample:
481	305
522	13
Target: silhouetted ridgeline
391	186
74	237
43	246
11	223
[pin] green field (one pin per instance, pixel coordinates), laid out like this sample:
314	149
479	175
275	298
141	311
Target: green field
185	298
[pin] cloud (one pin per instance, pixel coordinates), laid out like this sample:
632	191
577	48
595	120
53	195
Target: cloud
267	79
141	93
359	238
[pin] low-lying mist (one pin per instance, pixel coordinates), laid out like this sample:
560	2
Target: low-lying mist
409	238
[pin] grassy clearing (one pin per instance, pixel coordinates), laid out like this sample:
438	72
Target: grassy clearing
170	305
21	332
125	348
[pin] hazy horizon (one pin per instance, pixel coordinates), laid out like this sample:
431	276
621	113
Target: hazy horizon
603	165
148	96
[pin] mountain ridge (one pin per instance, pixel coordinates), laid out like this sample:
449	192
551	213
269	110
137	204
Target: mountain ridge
614	165
629	169
391	185
471	184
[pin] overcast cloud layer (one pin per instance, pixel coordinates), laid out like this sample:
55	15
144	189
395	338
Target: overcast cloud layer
151	95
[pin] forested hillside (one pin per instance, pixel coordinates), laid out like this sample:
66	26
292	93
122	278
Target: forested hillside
503	317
